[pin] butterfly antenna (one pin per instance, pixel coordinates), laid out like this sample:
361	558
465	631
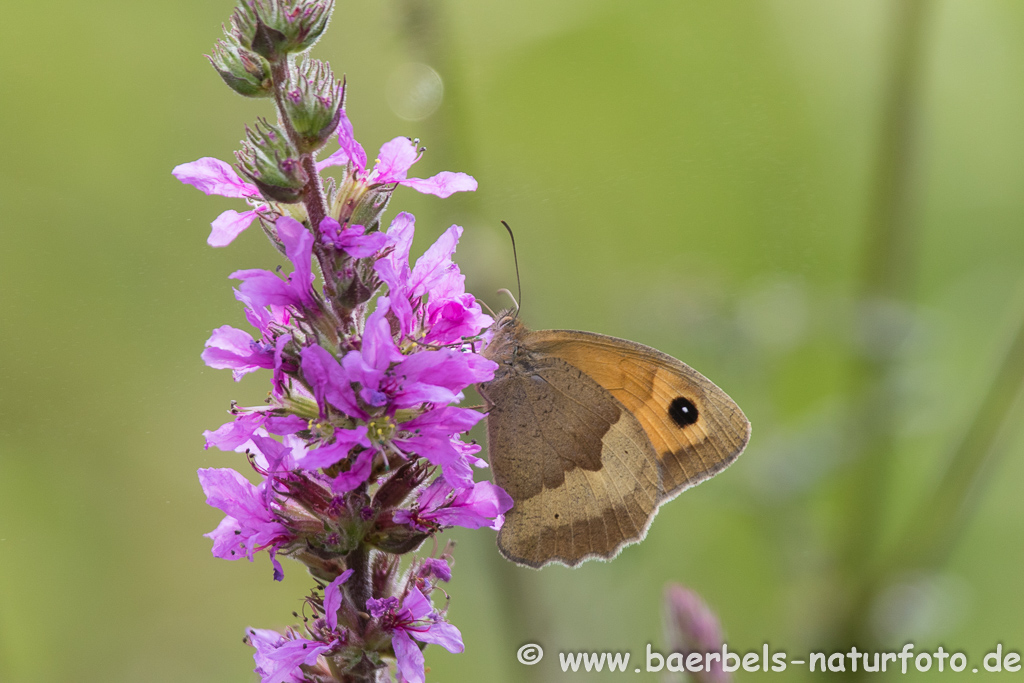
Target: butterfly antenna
515	259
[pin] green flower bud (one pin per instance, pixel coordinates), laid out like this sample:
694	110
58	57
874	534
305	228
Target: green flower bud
245	72
394	538
272	164
275	28
371	207
313	102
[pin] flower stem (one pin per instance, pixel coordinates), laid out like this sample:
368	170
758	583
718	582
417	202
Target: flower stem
313	193
359	584
937	521
359	589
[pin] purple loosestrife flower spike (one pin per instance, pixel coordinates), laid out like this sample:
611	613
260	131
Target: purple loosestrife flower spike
691	626
357	454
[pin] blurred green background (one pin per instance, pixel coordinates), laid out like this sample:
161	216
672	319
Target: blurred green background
819	205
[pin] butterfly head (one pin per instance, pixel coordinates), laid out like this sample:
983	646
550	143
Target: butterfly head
507	329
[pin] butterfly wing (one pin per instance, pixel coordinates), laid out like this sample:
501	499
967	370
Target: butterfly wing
695	428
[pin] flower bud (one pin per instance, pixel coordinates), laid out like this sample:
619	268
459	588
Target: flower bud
394	538
401	484
384	574
313	102
371	207
244	71
271	163
275	28
691	626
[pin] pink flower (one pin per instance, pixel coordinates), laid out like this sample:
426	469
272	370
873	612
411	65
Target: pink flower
449	313
264	288
352	240
213	176
373	383
415	619
250	525
278	657
392	165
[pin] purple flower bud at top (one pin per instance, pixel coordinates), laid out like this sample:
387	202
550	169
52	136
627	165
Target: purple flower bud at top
691	626
313	102
275	28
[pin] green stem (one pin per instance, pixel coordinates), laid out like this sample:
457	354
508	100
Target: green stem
886	283
934	527
359	584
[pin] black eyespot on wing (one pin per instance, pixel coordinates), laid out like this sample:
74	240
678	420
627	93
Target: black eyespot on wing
682	411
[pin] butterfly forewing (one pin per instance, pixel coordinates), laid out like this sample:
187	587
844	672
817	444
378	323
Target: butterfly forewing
695	428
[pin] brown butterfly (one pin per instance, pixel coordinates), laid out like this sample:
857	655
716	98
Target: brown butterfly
590	434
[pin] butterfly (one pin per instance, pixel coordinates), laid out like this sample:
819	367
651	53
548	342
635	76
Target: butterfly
590	434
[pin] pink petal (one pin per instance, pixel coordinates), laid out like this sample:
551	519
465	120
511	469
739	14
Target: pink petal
444	184
401	232
298	246
232	435
358	244
339	158
435	265
396	157
333	596
329	381
379	348
357	473
325	456
231	348
228	226
409	656
444	634
417	604
350	149
213	176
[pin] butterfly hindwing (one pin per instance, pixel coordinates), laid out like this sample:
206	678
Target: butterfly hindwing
579	467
